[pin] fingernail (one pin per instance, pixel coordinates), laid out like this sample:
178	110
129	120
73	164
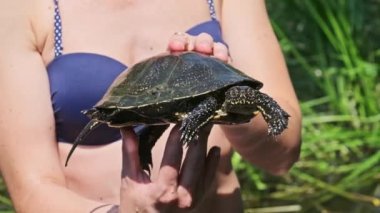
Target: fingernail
180	33
184	198
204	47
215	151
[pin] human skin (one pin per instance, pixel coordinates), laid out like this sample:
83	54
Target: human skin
31	160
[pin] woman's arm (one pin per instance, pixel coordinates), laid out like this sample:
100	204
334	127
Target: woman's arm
29	159
255	50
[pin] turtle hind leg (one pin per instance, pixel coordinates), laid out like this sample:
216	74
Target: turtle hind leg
148	136
246	100
197	118
82	135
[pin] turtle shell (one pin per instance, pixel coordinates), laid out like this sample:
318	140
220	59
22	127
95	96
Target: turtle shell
166	78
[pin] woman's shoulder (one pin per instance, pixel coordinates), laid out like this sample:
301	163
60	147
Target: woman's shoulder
31	19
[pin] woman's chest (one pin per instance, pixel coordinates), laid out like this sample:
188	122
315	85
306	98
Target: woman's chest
128	31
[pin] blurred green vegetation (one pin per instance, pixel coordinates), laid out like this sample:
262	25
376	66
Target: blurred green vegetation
332	49
5	202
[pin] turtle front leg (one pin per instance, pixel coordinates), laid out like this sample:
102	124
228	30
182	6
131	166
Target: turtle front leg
198	118
246	100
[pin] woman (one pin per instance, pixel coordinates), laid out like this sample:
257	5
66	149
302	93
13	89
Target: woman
54	58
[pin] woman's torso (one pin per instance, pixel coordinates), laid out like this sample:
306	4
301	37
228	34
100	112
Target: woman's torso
127	31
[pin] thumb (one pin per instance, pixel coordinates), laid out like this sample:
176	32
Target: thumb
130	154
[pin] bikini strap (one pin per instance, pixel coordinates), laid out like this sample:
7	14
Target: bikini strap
57	30
211	8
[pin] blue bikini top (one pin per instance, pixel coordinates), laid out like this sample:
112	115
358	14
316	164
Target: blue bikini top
79	80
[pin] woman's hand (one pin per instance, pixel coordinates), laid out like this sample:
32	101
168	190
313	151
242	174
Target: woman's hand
202	43
178	186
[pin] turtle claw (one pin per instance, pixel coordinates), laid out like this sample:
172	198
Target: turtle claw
278	126
188	131
278	122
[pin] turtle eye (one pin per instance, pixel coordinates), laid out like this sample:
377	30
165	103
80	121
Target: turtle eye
251	93
233	92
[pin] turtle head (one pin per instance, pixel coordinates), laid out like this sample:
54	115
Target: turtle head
241	100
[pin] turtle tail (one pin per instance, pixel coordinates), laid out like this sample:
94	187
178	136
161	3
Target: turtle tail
82	135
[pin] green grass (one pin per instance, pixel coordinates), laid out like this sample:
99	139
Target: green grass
332	51
5	202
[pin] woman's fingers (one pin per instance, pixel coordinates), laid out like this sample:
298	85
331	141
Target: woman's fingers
170	166
202	43
176	186
220	51
191	172
192	168
180	42
136	188
130	152
211	166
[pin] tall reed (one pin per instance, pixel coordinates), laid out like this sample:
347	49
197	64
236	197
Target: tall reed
333	55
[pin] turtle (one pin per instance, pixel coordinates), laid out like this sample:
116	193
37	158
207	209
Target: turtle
187	87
